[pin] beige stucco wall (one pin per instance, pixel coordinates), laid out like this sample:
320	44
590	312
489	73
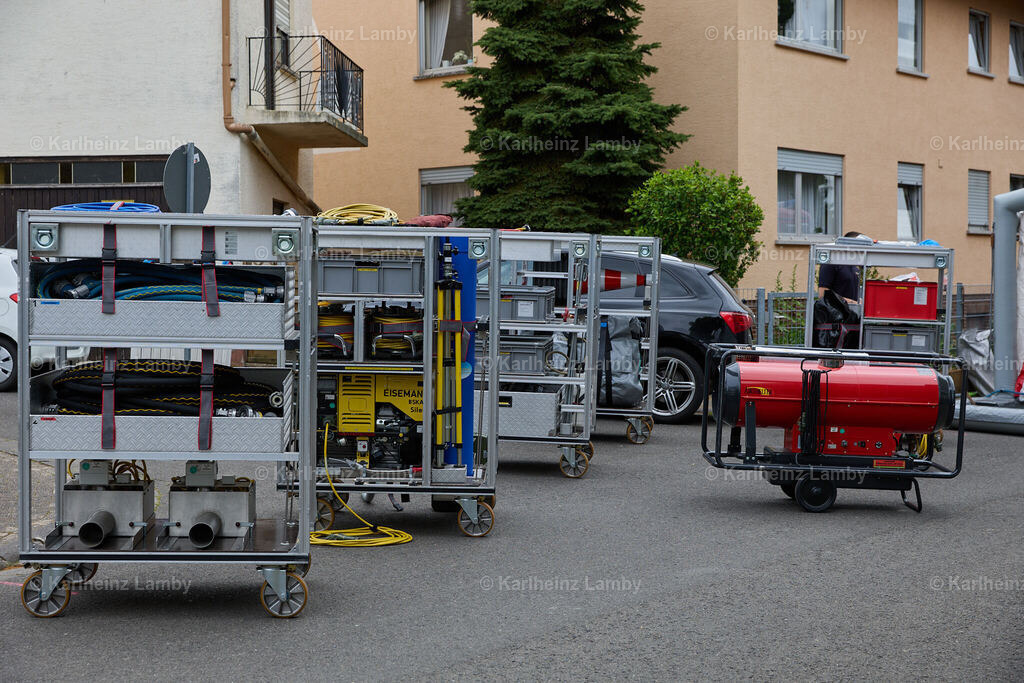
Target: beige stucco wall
747	97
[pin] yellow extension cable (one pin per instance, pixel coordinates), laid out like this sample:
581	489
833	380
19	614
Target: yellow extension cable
353	213
363	537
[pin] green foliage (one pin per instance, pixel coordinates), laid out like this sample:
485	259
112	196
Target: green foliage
701	215
564	126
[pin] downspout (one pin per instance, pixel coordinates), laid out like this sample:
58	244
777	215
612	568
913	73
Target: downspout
1004	287
244	129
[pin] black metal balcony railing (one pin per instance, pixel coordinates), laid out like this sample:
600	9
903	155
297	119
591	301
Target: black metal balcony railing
305	73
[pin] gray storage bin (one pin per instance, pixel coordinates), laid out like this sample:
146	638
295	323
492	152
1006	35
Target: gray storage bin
894	338
521	302
520	354
364	276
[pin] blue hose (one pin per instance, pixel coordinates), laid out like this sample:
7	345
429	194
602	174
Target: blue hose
128	207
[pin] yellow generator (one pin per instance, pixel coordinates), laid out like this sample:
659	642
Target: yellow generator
379	419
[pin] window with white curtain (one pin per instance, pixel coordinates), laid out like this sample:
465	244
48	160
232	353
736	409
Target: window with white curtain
978	52
446	34
815	22
1017	52
910	178
440	187
810	188
910	34
979	197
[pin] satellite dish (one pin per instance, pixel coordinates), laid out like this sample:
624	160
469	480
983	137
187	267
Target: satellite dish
187	180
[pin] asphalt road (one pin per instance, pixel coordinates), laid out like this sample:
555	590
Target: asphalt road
651	567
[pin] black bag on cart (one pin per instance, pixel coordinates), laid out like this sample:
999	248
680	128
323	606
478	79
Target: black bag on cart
836	326
618	373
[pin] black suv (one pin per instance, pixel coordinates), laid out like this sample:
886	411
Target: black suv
697	308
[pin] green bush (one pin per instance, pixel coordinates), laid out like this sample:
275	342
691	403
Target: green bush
700	215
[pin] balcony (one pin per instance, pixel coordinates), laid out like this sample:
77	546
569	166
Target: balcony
304	91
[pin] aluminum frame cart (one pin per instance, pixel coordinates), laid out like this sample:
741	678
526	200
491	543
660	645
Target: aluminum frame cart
849	252
105	512
547	394
879	429
640	417
399	413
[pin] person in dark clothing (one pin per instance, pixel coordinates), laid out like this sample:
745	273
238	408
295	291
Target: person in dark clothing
843	280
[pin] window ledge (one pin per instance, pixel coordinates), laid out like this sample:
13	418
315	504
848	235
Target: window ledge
443	72
907	71
979	230
810	47
1018	81
798	240
980	72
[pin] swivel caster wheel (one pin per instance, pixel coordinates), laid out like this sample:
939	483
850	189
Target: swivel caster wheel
588	449
324	515
814	495
638	431
292	604
574	466
44	607
484	520
82	572
337	504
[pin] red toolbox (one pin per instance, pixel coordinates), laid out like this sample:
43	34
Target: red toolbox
900	300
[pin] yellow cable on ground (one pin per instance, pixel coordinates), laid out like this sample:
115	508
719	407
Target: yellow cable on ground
369	536
356	213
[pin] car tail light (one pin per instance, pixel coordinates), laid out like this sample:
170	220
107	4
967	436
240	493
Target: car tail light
14	297
737	321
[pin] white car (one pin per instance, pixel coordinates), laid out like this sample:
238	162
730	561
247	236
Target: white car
41	355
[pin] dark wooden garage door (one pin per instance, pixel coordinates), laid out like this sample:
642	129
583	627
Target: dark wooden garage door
14	197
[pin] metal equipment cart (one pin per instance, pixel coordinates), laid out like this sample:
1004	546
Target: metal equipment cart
105	512
917	334
845	419
404	406
639	417
549	327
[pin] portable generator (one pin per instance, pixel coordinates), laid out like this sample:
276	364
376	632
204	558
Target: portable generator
848	419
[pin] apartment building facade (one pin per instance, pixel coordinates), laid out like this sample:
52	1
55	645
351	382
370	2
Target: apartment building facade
895	118
96	101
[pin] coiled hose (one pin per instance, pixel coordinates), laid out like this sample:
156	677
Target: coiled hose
369	536
127	207
137	280
394	328
156	387
360	214
335	323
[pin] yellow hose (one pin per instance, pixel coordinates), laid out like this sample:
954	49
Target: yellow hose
369	536
354	213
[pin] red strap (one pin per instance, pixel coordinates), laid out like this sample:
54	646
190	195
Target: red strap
109	261
108	428
206	401
208	260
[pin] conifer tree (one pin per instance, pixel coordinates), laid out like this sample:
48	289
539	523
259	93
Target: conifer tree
565	128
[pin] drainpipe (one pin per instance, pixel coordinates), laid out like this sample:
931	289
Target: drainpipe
244	129
1004	287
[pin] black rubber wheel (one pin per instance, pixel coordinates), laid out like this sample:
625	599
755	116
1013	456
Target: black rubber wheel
680	386
814	495
789	488
444	505
8	365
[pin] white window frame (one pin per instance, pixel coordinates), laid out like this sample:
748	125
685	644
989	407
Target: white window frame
976	227
918	66
424	72
986	68
911	176
836	25
798	172
1015	26
450	175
